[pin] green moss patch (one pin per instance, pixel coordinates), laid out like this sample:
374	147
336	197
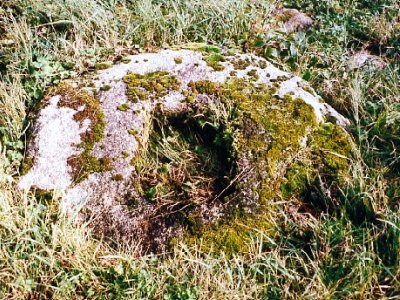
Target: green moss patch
105	88
123	107
240	63
211	55
296	180
103	65
150	86
331	144
26	165
214	60
328	161
253	73
269	132
191	160
178	60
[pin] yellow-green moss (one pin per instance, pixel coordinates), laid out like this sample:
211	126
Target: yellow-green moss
262	64
253	73
308	90
178	60
240	63
191	99
279	79
92	164
105	88
296	180
211	54
330	144
230	236
327	160
270	130
123	107
102	65
150	86
203	87
214	60
132	131
26	165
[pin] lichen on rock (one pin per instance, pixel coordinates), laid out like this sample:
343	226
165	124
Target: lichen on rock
187	144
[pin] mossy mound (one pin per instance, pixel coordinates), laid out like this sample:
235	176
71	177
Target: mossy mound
284	149
200	146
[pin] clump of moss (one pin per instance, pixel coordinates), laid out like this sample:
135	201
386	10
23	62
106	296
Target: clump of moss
26	165
262	64
103	65
296	180
308	89
123	107
230	235
211	55
132	131
214	60
203	87
241	64
253	73
117	177
150	86
105	88
279	79
191	99
92	164
85	163
331	145
328	161
178	60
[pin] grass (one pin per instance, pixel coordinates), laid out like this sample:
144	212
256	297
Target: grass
350	253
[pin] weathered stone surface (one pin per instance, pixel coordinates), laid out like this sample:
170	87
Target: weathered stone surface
295	20
190	137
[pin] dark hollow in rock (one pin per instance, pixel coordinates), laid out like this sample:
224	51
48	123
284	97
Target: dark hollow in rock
188	165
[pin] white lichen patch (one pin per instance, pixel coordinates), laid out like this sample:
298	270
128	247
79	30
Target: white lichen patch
57	133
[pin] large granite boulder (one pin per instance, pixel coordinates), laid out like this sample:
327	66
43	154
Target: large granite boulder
184	144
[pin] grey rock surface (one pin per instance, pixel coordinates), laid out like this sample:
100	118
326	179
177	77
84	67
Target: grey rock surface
296	20
364	58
